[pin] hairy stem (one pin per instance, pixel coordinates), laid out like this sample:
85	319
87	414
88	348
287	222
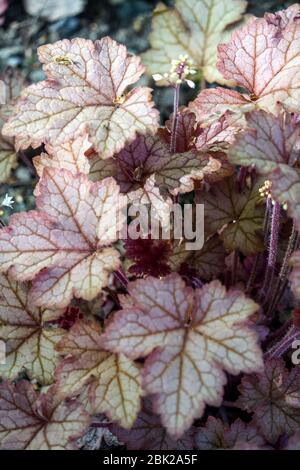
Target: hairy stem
121	276
272	256
284	270
258	256
242	177
284	344
175	119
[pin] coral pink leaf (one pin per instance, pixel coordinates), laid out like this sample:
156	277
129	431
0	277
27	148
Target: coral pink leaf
219	133
69	156
263	58
85	91
64	246
32	421
213	102
189	338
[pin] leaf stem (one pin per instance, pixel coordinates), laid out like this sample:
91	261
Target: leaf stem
175	118
280	348
121	276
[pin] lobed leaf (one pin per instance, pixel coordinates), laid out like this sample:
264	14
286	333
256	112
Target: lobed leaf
149	155
69	156
30	342
85	92
209	262
189	338
262	58
270	396
112	381
217	435
64	246
236	215
11	83
194	28
33	421
270	142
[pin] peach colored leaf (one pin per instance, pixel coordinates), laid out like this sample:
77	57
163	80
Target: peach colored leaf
216	435
69	156
220	133
10	87
193	28
237	216
213	102
113	380
33	421
30	342
209	262
263	58
148	434
8	157
189	338
266	395
268	143
85	92
158	205
64	246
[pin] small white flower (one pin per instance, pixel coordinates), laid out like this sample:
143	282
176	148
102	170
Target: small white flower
8	201
179	71
157	76
190	83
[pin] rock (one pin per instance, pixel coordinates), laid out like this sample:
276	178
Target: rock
53	10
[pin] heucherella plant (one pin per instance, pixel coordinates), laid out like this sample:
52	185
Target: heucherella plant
154	289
